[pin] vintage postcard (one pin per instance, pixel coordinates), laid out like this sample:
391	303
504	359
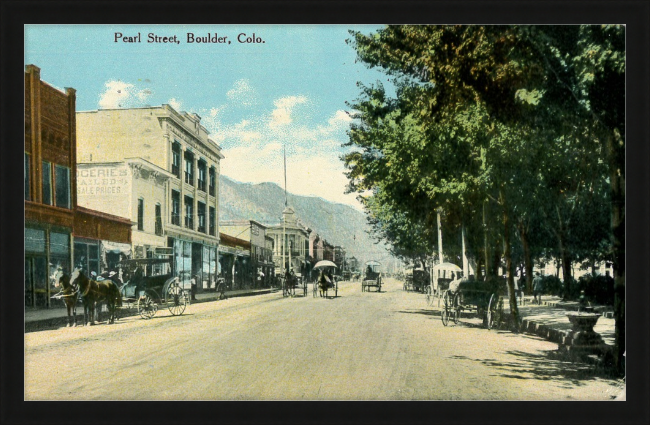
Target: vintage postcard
324	212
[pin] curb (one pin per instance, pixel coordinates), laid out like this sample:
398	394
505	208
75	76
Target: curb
62	321
562	338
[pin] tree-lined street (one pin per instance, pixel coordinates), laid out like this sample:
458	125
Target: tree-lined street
358	346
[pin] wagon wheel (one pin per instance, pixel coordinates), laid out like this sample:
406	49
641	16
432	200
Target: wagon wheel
147	308
176	299
315	290
457	307
304	289
428	294
445	310
494	311
336	289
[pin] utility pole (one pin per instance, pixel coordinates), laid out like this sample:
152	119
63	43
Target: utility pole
465	262
440	256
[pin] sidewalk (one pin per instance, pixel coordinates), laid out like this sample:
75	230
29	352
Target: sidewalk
549	321
56	317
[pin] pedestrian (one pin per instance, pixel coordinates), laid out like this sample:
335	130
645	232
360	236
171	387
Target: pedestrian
193	283
537	289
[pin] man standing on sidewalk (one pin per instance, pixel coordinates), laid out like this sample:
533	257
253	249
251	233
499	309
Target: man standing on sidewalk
537	289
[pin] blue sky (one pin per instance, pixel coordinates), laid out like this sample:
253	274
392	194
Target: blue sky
255	98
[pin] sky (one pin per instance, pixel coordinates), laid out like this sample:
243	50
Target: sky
285	89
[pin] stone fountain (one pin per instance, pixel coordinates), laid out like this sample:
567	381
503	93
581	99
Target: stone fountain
582	339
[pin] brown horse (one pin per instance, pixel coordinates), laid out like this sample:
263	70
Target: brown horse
68	294
93	292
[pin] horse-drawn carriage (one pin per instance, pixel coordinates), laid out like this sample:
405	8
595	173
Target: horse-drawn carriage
484	297
326	280
159	288
372	277
289	284
416	280
442	275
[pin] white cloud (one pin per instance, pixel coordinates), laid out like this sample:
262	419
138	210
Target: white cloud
340	119
284	107
254	147
176	104
120	94
242	93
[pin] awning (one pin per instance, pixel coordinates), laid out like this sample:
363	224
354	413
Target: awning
116	248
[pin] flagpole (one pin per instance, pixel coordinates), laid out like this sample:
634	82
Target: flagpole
284	216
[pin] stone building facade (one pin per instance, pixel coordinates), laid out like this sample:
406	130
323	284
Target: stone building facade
177	144
294	251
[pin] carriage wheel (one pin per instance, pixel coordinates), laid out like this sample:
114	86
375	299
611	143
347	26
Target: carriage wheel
146	307
176	299
429	295
445	310
336	290
315	290
493	312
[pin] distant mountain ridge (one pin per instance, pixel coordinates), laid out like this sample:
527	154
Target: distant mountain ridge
264	202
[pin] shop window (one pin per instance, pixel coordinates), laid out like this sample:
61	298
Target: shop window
189	212
176	208
27	171
34	240
59	243
159	230
176	159
86	257
62	186
47	183
201	216
140	214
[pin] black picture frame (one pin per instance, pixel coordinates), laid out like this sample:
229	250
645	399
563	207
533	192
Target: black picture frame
634	14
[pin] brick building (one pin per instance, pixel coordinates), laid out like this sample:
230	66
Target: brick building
52	221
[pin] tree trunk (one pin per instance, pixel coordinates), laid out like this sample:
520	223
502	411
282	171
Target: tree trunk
566	266
485	243
528	262
512	296
616	150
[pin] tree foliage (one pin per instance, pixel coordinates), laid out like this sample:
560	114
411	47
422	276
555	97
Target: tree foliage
511	130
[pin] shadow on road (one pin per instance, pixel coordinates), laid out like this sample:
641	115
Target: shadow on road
422	312
550	365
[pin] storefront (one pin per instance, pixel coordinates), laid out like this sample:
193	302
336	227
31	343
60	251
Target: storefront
47	249
193	258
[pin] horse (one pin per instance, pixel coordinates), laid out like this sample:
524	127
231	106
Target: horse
324	284
93	292
290	284
69	295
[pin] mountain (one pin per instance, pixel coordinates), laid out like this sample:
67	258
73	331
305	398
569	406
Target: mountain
264	202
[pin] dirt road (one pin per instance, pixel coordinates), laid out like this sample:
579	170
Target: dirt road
358	346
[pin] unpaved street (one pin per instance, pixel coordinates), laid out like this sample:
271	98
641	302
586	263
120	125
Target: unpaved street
358	346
